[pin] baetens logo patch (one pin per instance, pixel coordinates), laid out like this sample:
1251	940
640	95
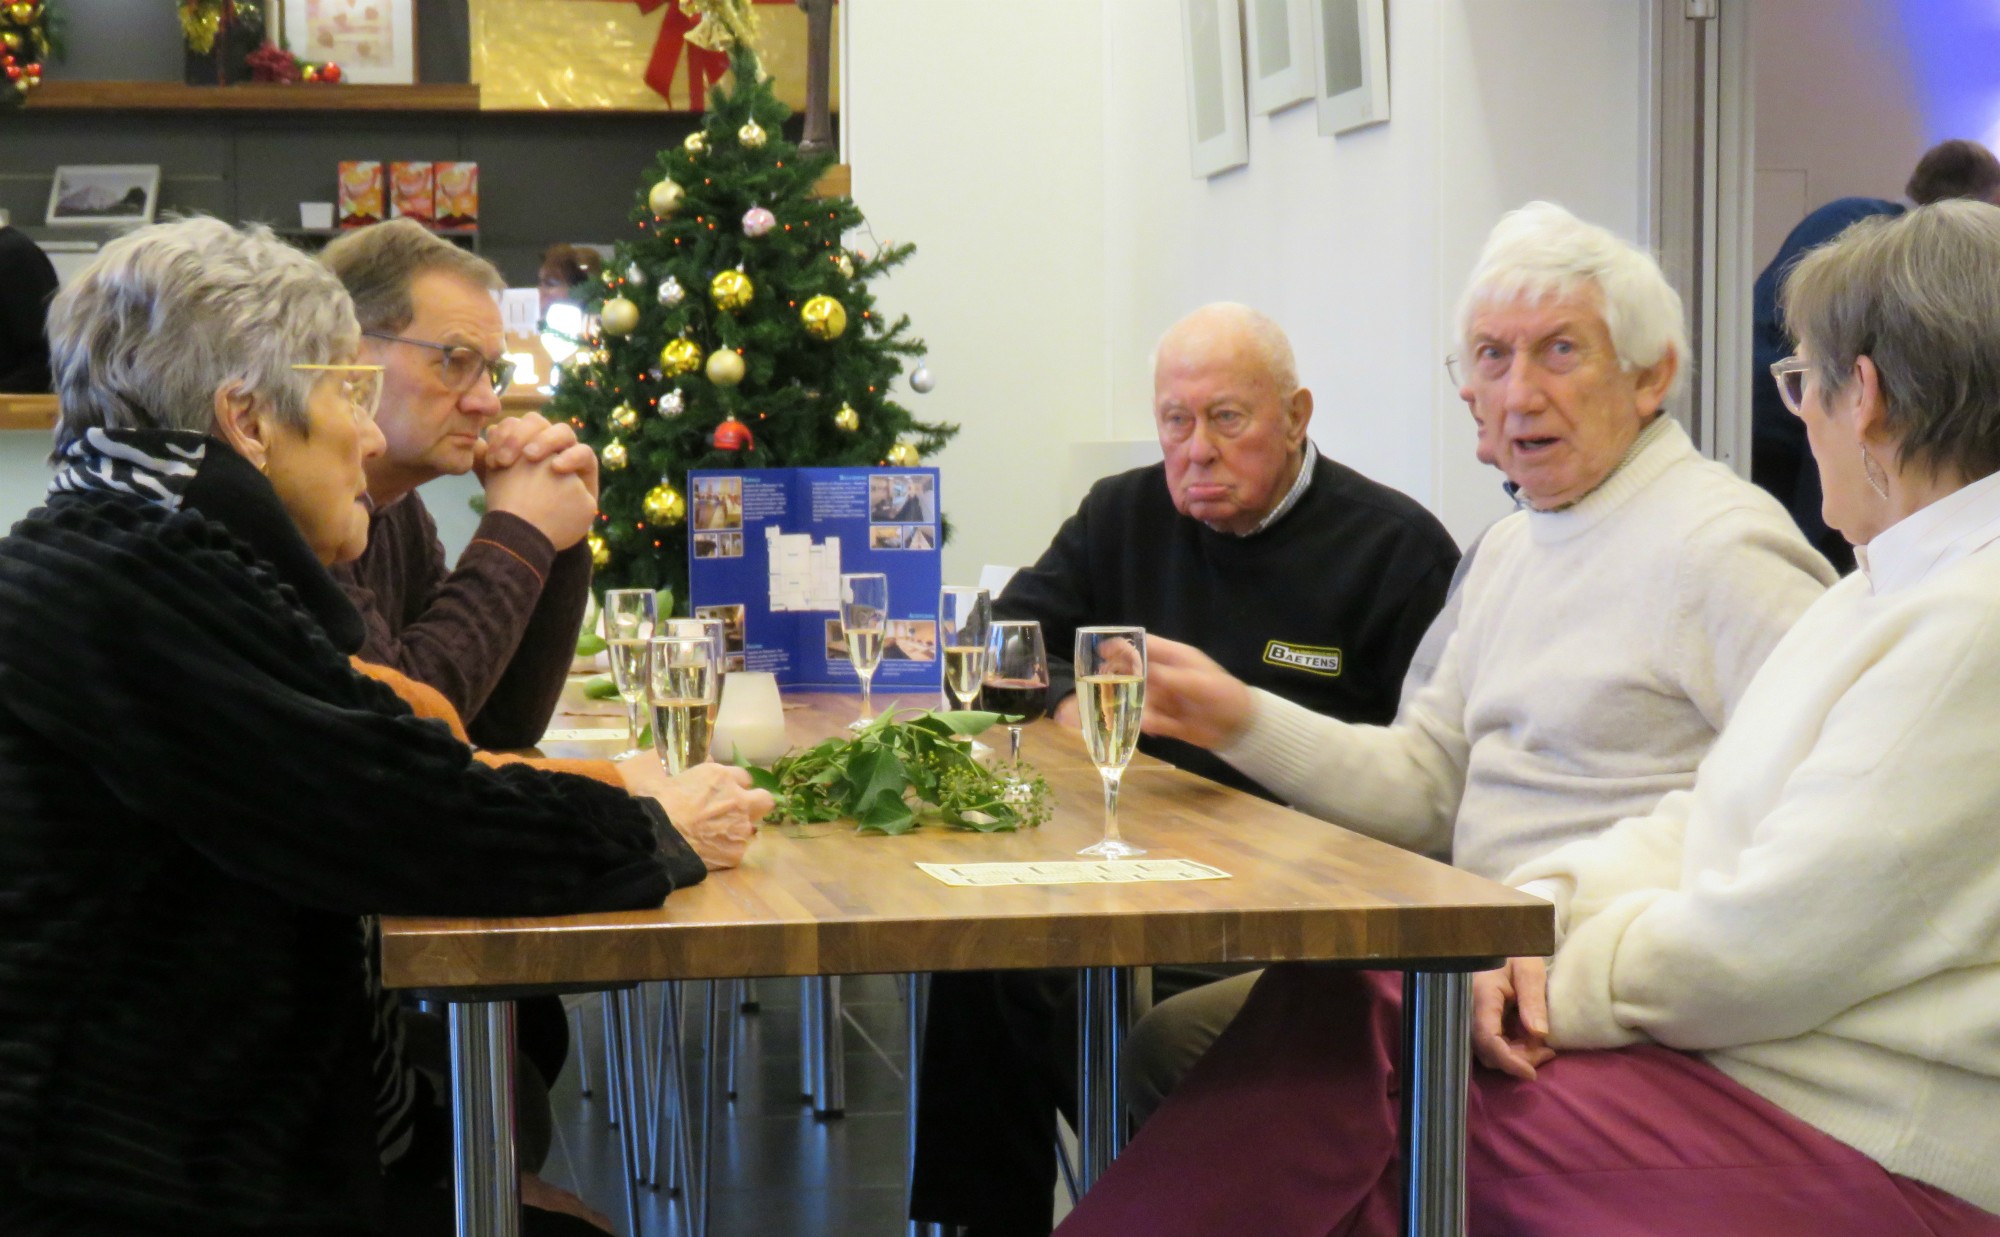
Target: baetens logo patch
1304	657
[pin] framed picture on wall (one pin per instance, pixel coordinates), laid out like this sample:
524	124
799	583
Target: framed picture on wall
373	41
1218	132
104	195
1280	41
1352	40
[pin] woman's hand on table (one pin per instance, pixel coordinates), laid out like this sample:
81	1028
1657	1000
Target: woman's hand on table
1510	1017
1191	698
712	805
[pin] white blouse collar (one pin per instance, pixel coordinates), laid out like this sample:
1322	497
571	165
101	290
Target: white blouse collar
1933	538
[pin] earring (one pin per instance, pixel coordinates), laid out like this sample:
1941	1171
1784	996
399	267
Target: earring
1877	479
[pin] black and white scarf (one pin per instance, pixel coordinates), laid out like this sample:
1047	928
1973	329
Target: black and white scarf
156	465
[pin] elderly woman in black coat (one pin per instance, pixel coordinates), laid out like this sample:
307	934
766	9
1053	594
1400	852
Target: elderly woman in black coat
202	804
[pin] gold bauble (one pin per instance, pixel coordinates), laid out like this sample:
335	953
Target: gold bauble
614	456
731	290
664	198
619	316
12	40
847	418
844	264
624	418
825	318
725	367
21	13
695	143
664	505
903	455
680	356
751	135
600	553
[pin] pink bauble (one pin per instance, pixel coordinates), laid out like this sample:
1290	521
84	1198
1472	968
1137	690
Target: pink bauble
757	221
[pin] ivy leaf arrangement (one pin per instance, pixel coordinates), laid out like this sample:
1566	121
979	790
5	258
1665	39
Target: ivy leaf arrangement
903	769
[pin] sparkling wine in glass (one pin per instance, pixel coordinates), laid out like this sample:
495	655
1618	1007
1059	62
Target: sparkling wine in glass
630	616
1111	692
1017	676
680	685
864	621
964	615
712	628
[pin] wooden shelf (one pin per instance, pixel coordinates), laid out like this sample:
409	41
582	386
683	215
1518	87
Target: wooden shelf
27	412
59	96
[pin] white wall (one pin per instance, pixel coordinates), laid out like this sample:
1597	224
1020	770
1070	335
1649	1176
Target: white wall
1837	109
1359	244
975	129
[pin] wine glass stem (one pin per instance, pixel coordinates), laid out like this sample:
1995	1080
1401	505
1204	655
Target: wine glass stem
1111	778
1014	744
867	705
632	719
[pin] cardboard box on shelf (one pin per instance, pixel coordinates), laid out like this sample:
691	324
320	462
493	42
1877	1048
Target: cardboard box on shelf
457	195
361	196
413	191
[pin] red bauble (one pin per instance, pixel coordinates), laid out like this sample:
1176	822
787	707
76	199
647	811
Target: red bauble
330	74
732	435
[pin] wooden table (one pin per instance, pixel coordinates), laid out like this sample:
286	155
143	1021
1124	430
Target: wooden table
827	901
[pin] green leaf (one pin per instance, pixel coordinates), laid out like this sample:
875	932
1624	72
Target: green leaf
967	722
590	644
600	687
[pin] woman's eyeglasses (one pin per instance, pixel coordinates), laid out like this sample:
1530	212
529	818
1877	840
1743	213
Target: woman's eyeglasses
360	386
461	365
1790	375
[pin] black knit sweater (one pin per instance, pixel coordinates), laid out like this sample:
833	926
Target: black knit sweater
1355	567
198	799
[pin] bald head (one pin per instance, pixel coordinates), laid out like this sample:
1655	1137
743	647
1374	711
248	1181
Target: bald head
1231	415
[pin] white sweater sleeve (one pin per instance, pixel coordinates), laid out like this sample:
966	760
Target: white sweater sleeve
1744	578
1868	874
1400	783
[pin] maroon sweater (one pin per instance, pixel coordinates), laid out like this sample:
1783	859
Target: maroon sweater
495	634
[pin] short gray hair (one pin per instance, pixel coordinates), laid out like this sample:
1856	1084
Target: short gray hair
1919	294
1542	252
1274	349
166	316
378	264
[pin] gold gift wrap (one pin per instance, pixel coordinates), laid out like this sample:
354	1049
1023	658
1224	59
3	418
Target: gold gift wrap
530	55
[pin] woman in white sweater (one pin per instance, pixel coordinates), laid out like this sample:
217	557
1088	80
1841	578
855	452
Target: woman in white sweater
1795	964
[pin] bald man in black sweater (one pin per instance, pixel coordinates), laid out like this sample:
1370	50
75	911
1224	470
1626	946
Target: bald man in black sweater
1296	573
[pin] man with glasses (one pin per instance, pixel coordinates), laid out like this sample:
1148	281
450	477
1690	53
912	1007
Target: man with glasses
496	632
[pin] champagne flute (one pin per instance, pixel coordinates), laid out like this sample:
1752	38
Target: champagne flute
864	620
680	683
711	628
1111	691
630	615
1017	676
964	614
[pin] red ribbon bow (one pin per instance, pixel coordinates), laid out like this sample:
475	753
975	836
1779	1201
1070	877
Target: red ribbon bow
705	68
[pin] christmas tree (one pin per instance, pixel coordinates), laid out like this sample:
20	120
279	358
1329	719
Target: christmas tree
736	331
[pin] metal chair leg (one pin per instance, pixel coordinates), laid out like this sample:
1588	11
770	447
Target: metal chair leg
829	1082
608	1022
808	1042
704	1130
623	1009
582	1053
916	1004
733	1038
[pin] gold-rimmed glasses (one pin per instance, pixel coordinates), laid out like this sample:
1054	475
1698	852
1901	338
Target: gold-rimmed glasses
360	386
460	364
1790	375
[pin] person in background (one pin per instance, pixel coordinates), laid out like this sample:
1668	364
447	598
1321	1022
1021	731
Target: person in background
1297	572
496	632
205	807
1771	1007
1779	458
27	281
1605	631
564	269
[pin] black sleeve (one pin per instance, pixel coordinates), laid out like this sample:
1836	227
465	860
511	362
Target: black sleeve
1411	621
1056	593
518	710
207	707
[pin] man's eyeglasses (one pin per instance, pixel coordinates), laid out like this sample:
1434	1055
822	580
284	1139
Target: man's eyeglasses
1790	375
360	386
461	365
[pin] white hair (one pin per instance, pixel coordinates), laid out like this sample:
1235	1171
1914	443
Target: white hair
1542	252
168	315
1274	350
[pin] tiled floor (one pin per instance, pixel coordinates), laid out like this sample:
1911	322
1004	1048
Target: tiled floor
778	1171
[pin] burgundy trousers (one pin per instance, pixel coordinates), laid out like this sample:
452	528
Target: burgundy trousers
1289	1127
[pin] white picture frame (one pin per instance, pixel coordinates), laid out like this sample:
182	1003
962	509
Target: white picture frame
1351	45
100	195
373	41
1278	37
1218	130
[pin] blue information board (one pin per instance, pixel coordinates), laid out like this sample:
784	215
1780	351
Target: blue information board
766	550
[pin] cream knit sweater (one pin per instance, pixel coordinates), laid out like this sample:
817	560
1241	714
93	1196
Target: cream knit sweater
1821	913
1599	650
